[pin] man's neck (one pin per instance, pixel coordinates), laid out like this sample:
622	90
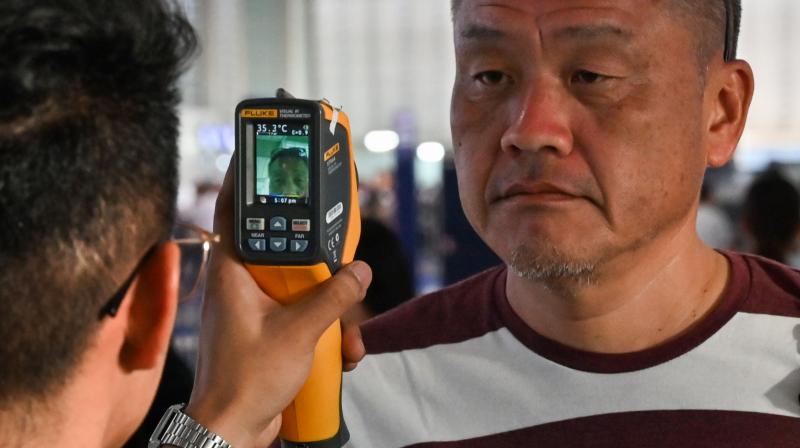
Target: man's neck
32	423
70	417
636	301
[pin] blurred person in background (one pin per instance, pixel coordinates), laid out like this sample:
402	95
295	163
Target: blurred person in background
201	210
713	224
377	197
89	275
392	279
771	215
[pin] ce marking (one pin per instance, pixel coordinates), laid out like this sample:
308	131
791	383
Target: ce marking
333	242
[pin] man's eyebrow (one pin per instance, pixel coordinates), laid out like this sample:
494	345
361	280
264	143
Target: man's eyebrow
477	31
481	32
589	32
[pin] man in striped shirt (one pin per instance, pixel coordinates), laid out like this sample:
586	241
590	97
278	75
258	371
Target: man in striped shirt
582	131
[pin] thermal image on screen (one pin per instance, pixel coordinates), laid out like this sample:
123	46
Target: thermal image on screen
282	169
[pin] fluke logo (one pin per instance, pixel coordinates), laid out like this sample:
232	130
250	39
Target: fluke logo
259	113
331	152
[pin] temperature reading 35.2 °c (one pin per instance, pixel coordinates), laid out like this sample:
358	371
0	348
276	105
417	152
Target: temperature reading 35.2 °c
279	128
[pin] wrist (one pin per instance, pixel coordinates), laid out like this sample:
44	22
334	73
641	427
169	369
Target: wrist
178	429
222	422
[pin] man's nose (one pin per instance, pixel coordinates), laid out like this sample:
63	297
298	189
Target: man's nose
540	120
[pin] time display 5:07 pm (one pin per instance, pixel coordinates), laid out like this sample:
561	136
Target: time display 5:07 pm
277	128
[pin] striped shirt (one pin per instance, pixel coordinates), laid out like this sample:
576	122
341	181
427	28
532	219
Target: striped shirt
458	368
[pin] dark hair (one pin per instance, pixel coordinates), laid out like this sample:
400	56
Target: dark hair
294	152
710	21
734	25
771	213
709	17
88	168
392	280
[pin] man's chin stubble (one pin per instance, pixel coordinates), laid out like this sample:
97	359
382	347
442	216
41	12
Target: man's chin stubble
552	268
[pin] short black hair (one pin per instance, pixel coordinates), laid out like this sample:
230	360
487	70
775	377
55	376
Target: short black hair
88	168
712	19
294	152
716	24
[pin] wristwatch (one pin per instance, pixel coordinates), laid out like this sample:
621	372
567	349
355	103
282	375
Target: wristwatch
178	429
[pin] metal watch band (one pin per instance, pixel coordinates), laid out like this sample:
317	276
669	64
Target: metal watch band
178	429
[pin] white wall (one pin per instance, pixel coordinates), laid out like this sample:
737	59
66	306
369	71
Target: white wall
770	42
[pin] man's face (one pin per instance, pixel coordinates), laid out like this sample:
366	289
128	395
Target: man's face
577	127
288	176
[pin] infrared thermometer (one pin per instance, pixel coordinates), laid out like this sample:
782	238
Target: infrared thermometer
297	223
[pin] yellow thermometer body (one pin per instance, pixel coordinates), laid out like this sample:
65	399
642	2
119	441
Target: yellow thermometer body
297	223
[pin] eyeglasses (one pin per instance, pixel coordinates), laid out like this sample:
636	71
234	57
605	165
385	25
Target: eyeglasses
195	243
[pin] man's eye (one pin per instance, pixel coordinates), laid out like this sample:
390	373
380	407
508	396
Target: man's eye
491	77
586	77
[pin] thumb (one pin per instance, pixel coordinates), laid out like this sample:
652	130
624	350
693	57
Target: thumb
328	302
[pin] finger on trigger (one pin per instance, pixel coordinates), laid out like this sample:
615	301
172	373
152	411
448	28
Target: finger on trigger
353	349
362	272
328	302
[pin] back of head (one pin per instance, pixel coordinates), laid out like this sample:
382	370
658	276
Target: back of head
772	214
88	169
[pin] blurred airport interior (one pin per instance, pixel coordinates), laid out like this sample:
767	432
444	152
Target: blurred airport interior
390	65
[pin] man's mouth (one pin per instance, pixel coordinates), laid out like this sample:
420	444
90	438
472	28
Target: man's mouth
535	192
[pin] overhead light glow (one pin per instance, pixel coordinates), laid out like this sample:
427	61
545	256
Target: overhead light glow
381	141
430	151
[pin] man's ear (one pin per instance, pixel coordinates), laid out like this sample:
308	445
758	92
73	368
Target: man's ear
731	85
152	305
